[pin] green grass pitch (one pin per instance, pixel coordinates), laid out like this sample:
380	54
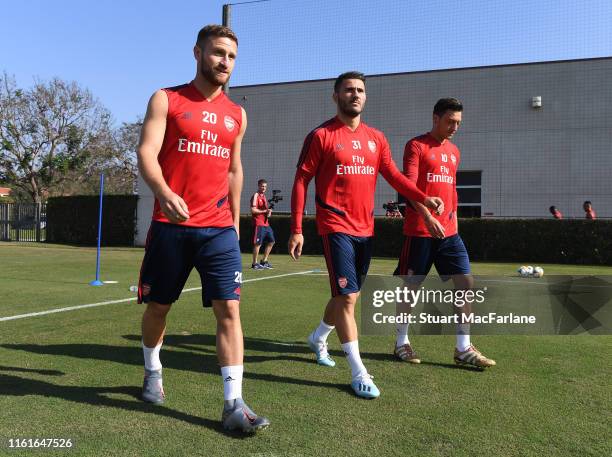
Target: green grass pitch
78	374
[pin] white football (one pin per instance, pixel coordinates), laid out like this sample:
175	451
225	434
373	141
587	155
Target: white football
529	270
538	272
523	271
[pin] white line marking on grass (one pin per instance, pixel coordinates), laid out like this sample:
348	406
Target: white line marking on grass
369	274
260	279
123	300
278	343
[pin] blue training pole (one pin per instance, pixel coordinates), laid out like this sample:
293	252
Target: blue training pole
97	281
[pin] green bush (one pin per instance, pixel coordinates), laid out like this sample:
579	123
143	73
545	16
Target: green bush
8	199
281	225
538	240
74	220
494	240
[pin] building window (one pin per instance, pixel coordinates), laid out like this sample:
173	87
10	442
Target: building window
469	186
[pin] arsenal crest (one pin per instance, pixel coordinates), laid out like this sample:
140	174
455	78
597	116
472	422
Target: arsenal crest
372	146
454	159
146	289
229	123
342	282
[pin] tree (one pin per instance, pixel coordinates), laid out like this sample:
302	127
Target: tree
114	154
124	164
49	135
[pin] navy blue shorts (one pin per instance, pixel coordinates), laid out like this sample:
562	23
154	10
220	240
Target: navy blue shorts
173	250
263	234
348	260
419	253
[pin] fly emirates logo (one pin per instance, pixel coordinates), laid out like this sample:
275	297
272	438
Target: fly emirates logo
205	146
443	177
358	167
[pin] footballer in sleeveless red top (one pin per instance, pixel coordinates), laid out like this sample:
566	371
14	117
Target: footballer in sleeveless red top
433	167
195	154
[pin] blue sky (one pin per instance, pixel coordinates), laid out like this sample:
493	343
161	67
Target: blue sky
124	51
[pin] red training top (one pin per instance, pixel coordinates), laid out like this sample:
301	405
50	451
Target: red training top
260	202
345	165
590	214
433	166
195	154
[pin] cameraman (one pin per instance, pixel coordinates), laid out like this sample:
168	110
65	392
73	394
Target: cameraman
392	209
263	233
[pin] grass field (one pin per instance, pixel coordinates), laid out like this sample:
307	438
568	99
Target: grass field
78	374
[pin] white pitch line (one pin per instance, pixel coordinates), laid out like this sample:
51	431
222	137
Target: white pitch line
123	300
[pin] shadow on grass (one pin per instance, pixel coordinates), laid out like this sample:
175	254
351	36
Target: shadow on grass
187	353
32	370
194	342
452	366
391	358
96	396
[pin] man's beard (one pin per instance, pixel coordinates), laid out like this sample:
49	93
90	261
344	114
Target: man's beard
349	110
209	75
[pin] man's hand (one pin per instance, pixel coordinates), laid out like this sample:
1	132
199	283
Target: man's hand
174	207
435	203
237	228
435	228
269	213
296	241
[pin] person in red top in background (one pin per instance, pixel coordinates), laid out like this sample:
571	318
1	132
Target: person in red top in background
555	212
189	155
262	232
431	161
589	211
344	155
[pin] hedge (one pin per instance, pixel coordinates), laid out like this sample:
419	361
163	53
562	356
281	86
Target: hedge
74	220
494	240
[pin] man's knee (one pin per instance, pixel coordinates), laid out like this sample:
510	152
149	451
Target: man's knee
157	310
346	301
463	281
226	309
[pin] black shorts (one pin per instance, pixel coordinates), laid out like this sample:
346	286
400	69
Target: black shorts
263	234
348	260
449	256
173	250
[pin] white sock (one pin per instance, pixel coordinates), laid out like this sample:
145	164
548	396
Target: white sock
351	350
322	332
151	357
402	335
463	337
232	381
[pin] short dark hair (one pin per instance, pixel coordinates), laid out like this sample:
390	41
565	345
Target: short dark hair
588	202
262	181
552	209
447	104
214	30
348	75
